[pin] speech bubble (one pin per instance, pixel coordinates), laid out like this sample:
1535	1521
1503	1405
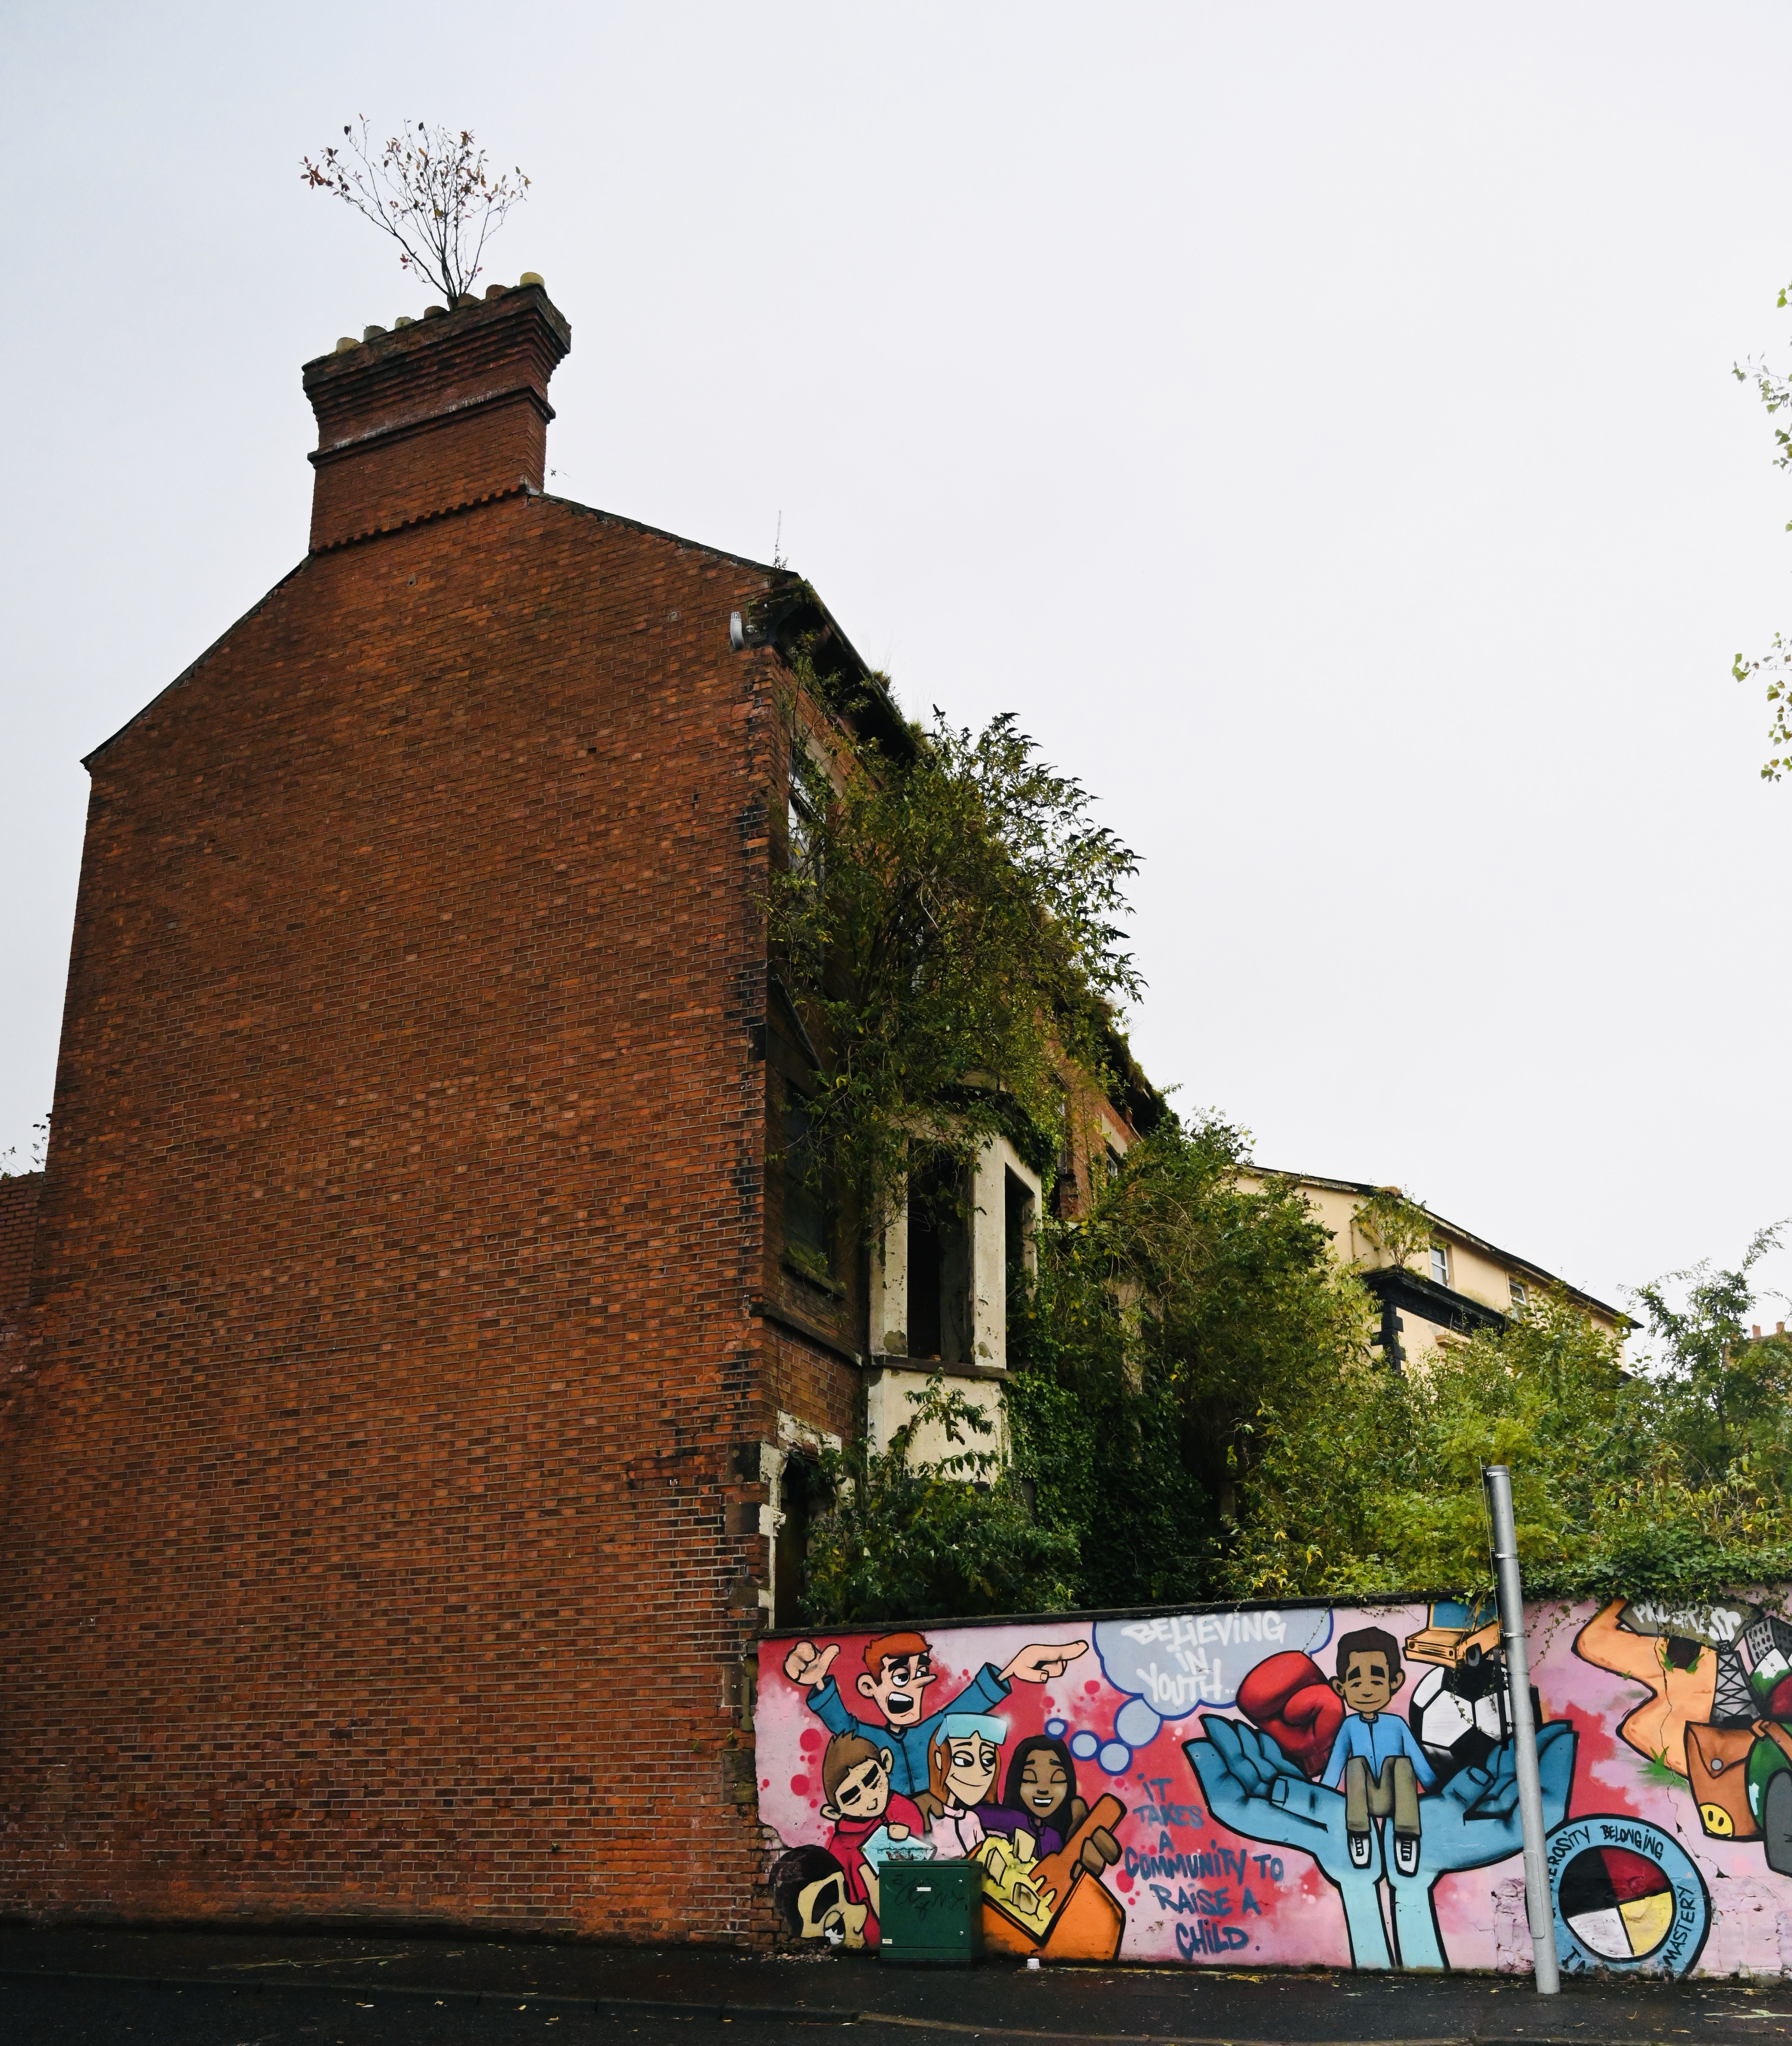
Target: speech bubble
1171	1665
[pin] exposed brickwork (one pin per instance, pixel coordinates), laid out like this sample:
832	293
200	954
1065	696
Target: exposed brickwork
379	1512
18	1231
443	413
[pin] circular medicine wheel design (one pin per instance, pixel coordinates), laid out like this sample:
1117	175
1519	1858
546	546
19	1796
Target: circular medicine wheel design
1618	1904
1627	1897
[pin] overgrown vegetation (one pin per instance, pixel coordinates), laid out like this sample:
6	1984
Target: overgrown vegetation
900	1539
1349	1480
1674	1480
12	1167
1196	1407
1397	1225
949	919
1160	1325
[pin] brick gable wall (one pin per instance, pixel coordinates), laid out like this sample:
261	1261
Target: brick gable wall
18	1231
375	1528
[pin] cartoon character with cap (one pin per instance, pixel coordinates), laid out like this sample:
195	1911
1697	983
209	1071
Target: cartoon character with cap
898	1670
1376	1760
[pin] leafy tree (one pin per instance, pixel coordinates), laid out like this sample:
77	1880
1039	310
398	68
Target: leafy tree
1673	1482
430	190
1160	1326
1399	1226
897	1538
949	918
1722	1400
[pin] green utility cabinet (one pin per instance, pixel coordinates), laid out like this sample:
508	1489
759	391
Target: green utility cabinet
932	1914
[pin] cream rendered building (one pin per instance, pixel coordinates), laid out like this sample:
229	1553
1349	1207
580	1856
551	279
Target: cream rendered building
1458	1283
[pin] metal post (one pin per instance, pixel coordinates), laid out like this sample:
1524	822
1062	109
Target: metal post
1497	1479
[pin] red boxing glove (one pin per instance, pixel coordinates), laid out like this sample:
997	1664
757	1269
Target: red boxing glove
1287	1697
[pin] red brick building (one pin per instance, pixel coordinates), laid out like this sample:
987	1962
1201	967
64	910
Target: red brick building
387	1467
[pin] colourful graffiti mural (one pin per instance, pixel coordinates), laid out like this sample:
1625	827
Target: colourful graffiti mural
1301	1785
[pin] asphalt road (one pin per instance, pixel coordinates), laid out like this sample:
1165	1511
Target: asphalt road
94	2014
205	1988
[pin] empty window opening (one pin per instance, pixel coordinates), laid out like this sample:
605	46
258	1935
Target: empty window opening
938	1266
806	796
1017	1238
790	1543
1065	1185
808	1210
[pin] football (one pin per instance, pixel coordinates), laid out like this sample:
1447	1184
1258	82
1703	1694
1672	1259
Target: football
1456	1728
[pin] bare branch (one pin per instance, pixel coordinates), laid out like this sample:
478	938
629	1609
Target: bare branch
429	190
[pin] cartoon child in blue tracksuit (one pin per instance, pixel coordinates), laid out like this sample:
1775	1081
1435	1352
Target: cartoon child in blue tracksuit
898	1670
1376	1759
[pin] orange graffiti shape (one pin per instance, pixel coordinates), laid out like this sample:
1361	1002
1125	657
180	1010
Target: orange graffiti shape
1657	1727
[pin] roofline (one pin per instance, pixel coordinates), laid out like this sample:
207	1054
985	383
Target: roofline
663	533
570	503
1367	1189
193	667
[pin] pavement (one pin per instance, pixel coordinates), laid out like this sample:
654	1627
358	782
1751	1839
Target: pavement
243	1988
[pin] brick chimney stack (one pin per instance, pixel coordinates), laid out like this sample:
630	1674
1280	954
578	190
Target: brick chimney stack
446	411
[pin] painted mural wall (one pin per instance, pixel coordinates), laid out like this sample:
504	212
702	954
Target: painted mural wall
1310	1785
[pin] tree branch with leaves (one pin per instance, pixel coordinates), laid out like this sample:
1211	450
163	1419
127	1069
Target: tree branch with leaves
1398	1226
1774	667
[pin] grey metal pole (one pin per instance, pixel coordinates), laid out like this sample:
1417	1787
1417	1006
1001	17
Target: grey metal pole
1497	1479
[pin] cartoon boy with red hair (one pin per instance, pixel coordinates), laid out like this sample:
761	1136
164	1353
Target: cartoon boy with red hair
898	1670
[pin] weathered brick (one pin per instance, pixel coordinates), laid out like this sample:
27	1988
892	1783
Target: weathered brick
394	1358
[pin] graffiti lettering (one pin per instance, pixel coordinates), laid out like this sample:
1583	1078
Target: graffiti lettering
1205	1937
1269	1866
1198	1630
1168	1860
1172	1692
1644	1840
1171	1815
1205	1903
1715	1624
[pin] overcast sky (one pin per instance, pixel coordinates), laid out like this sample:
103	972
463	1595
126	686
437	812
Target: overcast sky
1316	422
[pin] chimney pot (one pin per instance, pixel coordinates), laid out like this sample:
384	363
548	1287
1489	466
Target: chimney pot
347	341
1754	1333
451	412
465	299
403	319
435	312
531	277
371	332
496	291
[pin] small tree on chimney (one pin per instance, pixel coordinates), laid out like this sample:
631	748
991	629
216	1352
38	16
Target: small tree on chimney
428	188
